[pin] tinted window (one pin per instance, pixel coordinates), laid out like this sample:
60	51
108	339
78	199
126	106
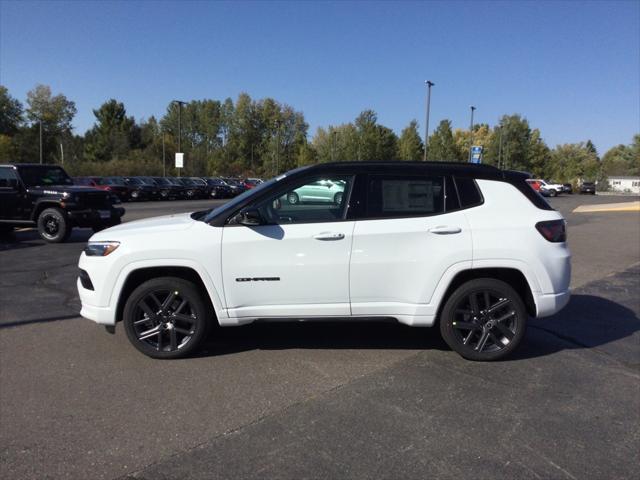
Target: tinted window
404	196
468	192
42	176
317	199
8	178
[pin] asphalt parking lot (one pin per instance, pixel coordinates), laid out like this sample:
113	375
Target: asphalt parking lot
365	400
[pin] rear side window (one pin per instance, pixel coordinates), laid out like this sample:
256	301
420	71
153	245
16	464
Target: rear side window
468	192
404	196
8	178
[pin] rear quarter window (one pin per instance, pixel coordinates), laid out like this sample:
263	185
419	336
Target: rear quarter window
468	192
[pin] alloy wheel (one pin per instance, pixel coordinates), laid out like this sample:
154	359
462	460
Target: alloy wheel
164	320
485	321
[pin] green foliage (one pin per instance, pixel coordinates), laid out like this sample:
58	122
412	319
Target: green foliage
10	113
113	135
573	161
410	145
623	159
442	146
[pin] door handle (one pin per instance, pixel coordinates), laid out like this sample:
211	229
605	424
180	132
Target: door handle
329	236
445	230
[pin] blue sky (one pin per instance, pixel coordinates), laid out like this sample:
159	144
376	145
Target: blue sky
572	69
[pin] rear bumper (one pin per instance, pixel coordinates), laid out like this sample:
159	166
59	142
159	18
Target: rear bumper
548	304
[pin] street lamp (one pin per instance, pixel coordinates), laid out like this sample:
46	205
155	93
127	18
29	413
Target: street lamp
429	84
180	103
333	150
471	131
40	122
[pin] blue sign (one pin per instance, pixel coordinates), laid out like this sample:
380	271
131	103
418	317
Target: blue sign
476	154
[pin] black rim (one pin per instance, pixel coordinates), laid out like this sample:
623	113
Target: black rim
485	321
293	198
51	225
164	320
338	198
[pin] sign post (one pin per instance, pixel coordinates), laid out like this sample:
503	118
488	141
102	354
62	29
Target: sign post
476	154
179	161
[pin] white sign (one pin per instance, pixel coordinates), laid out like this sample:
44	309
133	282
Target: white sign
179	160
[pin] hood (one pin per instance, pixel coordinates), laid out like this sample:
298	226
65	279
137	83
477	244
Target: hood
166	223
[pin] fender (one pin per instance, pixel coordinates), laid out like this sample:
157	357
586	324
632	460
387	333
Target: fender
220	311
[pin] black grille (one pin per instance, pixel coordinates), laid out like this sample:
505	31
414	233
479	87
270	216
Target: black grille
95	200
85	281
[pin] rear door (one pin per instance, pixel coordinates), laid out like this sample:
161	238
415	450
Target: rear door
410	234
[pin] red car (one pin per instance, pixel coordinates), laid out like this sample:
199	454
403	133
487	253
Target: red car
115	185
251	182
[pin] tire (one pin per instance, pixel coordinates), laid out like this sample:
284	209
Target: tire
167	336
53	225
293	198
476	335
553	193
337	198
164	195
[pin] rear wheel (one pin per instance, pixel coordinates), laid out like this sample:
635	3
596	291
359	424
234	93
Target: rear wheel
166	317
337	198
53	225
293	198
553	193
484	319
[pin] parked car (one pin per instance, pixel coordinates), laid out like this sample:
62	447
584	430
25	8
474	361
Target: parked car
44	196
321	191
588	187
396	247
250	183
203	188
140	190
218	188
169	190
236	185
544	187
190	190
567	188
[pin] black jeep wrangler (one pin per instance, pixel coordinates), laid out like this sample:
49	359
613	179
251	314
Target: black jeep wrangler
44	196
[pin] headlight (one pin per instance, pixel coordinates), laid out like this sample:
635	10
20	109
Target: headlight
100	249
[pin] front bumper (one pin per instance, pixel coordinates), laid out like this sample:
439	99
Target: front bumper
91	217
102	315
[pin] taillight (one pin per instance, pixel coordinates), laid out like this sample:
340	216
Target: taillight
553	230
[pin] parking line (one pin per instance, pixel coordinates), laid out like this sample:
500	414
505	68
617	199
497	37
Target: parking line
609	207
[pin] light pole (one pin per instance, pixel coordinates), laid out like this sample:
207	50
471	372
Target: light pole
40	122
333	150
429	84
164	158
500	148
180	103
471	131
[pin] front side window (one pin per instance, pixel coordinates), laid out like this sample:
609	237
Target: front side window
313	200
404	196
8	178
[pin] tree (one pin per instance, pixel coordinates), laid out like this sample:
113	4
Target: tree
538	155
623	159
113	134
516	137
55	114
442	146
573	161
10	113
482	136
410	145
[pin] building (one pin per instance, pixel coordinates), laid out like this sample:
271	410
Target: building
625	184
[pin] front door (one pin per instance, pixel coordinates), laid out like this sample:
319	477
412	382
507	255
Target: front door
296	262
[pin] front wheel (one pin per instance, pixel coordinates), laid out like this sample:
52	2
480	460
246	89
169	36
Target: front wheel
53	225
484	319
553	193
166	317
293	198
337	198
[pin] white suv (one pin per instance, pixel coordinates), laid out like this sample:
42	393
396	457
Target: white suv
468	247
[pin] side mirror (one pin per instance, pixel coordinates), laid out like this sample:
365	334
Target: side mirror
250	217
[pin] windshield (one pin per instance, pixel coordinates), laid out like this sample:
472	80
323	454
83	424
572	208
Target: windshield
134	181
148	181
38	176
198	181
186	181
215	181
162	181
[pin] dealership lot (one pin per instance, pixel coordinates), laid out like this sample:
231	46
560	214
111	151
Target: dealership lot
323	400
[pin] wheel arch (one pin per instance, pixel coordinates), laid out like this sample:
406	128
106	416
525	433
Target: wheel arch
43	205
512	276
139	275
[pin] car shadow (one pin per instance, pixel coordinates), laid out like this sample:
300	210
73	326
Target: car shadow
30	238
587	322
